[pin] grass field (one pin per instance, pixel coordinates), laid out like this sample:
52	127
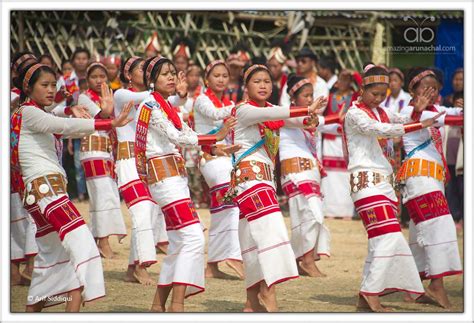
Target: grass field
335	293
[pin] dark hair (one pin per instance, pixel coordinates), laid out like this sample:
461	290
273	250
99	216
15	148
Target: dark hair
137	62
414	72
439	75
258	69
17	56
375	70
292	80
156	69
328	62
78	51
18	81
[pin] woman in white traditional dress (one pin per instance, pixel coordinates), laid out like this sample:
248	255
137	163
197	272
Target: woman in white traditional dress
210	109
68	263
389	266
423	175
159	133
301	179
266	250
98	163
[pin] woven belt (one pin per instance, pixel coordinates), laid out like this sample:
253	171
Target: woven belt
295	165
420	167
361	180
96	143
251	170
160	168
41	187
126	150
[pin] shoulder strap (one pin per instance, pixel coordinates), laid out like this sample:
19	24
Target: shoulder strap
140	140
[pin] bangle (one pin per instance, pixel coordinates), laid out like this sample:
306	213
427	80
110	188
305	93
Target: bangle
299	112
410	127
206	139
102	124
68	111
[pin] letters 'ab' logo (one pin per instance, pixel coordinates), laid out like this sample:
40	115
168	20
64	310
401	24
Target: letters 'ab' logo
419	34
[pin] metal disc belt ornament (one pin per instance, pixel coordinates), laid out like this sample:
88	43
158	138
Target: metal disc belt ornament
43	188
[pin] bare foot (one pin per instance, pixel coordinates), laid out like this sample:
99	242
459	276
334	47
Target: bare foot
16	278
372	303
104	248
247	307
129	277
212	271
310	269
439	296
162	248
142	276
176	307
237	267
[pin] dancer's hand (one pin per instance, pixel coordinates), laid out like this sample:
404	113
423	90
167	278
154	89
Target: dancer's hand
123	118
225	150
106	99
81	112
182	85
431	121
230	123
318	105
423	100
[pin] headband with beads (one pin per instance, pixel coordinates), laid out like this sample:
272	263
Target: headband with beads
253	68
150	66
374	78
298	86
213	64
419	77
131	60
29	74
23	58
95	64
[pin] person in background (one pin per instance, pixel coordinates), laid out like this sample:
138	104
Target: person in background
98	163
306	62
113	65
457	83
276	64
182	49
47	60
398	98
335	186
239	57
198	186
327	70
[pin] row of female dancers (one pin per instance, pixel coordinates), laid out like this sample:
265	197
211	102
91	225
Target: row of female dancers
239	144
